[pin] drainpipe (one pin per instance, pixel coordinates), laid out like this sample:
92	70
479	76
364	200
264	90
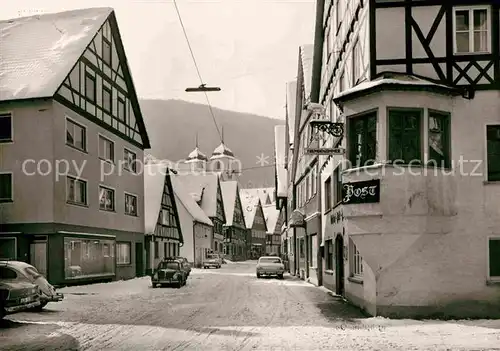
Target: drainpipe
315	89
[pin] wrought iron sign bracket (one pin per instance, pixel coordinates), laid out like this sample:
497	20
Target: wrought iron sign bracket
335	129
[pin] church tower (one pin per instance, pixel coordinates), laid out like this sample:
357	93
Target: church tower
223	161
197	159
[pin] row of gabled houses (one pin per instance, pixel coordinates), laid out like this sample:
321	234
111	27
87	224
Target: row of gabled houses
386	174
76	200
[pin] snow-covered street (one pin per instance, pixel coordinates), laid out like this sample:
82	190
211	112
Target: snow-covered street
227	309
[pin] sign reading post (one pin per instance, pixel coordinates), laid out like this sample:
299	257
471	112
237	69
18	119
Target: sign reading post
364	192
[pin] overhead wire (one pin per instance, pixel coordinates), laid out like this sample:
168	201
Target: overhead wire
197	69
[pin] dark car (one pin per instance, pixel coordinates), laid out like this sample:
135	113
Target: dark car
169	272
185	264
17	296
22	271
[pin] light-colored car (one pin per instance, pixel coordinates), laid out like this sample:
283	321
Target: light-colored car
17	296
212	260
24	272
270	266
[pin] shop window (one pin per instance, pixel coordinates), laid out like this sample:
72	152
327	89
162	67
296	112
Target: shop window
123	253
494	258
355	261
362	140
329	255
85	258
404	136
439	139
493	151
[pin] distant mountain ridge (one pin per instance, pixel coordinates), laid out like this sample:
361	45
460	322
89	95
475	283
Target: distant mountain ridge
172	126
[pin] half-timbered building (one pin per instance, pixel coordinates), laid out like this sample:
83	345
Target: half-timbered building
71	131
205	188
255	222
235	230
163	231
411	211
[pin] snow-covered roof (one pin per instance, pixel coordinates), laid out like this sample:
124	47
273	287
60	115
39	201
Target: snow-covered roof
306	57
38	52
154	181
272	215
250	202
391	79
229	191
196	155
222	151
202	188
279	153
266	195
291	100
185	199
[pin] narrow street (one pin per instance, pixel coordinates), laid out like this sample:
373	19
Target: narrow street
226	309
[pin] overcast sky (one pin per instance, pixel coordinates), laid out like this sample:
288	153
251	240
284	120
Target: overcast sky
247	47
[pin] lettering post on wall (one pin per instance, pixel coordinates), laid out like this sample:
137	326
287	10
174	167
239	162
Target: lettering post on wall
364	192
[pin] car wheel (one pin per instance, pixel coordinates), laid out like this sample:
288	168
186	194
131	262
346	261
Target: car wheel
179	285
258	275
154	286
39	307
280	276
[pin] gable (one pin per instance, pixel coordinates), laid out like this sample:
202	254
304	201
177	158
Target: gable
100	87
259	219
238	217
220	204
168	224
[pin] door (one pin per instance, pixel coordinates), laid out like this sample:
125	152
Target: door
339	265
38	256
139	260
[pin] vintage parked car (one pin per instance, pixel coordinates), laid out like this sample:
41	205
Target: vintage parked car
185	263
212	260
22	271
169	272
270	266
17	296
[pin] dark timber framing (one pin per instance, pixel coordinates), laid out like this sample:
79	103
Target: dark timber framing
126	132
453	62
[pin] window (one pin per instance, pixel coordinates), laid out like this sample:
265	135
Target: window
494	258
106	199
341	82
328	194
106	51
308	187
131	204
130	161
165	217
329	255
439	139
106	149
337	179
76	135
6	127
90	87
106	99
88	257
314	181
362	134
493	151
355	260
472	32
6	185
313	251
302	251
123	253
121	109
76	192
404	136
7	273
156	245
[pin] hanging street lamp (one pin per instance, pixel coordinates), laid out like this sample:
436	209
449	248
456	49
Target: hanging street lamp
202	88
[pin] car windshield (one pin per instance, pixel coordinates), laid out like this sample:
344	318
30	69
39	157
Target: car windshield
270	260
168	265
